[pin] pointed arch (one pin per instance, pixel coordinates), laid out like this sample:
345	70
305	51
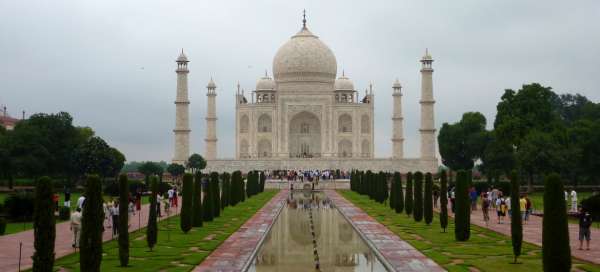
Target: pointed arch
365	125
345	123
345	149
365	148
264	148
265	123
244	124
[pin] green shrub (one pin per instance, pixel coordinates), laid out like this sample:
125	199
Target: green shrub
64	213
444	200
186	202
92	224
516	225
123	220
399	207
208	202
428	198
592	205
197	212
225	191
408	201
418	197
19	206
462	218
152	228
556	250
234	193
216	194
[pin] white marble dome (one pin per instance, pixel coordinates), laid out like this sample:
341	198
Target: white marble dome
265	83
304	58
344	83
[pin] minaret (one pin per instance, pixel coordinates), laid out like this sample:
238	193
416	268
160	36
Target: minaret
211	121
398	120
182	103
427	115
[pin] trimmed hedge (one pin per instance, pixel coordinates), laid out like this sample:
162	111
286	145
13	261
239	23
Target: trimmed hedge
408	200
556	250
44	226
186	202
444	200
462	218
92	224
418	197
428	199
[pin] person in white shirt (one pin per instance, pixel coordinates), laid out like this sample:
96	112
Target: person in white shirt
80	202
114	214
573	201
76	226
170	194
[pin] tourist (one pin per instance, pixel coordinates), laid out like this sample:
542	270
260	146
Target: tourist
501	209
473	196
170	196
67	202
76	226
138	199
573	201
585	222
159	199
175	197
55	199
131	208
436	196
485	206
106	208
114	213
81	201
523	208
452	200
528	208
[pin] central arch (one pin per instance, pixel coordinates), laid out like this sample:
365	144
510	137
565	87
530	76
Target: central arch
304	136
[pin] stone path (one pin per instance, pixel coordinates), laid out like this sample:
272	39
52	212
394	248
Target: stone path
532	233
398	253
237	251
9	244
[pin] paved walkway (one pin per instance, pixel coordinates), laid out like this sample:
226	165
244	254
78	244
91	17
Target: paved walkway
398	253
532	233
237	251
9	244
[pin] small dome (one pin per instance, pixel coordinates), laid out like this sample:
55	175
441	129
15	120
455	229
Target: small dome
265	83
182	57
304	58
344	83
211	84
396	84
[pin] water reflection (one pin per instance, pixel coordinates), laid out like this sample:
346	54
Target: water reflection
289	245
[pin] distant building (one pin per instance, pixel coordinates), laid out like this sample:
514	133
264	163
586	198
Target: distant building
6	120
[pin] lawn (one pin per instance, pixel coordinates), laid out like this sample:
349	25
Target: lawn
175	251
537	199
14	227
485	251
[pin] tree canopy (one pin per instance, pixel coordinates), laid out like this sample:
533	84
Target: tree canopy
462	143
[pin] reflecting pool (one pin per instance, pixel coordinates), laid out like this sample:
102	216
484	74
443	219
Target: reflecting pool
308	219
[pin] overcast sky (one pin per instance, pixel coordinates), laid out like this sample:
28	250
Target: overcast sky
111	63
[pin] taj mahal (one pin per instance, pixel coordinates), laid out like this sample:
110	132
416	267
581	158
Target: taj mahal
307	117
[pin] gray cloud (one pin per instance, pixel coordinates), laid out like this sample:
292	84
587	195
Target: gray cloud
111	63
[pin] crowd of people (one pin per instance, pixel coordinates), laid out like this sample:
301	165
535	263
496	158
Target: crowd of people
111	210
307	175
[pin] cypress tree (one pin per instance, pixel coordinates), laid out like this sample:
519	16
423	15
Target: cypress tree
44	226
444	200
152	228
463	207
428	198
386	187
225	192
187	202
399	207
393	196
92	222
123	220
234	192
243	192
263	180
208	202
556	250
408	201
516	225
196	212
216	194
418	197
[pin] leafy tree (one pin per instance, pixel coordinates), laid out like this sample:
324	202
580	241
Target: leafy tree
97	157
197	211
498	157
152	228
516	225
418	195
444	200
186	202
462	228
226	189
428	204
556	250
216	194
92	223
393	196
44	226
196	163
148	169
539	153
408	201
235	193
176	170
123	220
462	143
399	205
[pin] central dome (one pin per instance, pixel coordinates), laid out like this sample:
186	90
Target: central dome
304	58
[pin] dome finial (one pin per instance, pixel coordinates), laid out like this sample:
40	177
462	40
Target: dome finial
266	75
343	73
304	19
